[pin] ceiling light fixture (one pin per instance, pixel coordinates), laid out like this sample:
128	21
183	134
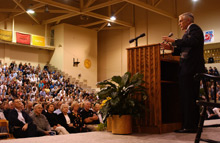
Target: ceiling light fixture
113	18
30	11
195	0
46	9
109	24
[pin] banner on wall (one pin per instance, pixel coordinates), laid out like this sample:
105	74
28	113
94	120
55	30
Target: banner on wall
23	38
209	36
38	40
5	35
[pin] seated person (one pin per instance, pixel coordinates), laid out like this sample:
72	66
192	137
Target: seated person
21	125
81	127
89	117
58	105
66	119
53	121
96	109
216	111
43	126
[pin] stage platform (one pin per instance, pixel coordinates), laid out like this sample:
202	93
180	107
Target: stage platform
107	137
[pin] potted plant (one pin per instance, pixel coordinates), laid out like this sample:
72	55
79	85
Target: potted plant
119	94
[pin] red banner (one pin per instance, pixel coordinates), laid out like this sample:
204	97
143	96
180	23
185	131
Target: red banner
23	38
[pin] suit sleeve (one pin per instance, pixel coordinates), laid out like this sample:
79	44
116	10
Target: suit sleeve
191	39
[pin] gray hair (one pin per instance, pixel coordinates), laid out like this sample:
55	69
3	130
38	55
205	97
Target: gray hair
188	15
74	104
38	104
61	107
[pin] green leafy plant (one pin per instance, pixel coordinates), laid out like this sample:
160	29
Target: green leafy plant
119	95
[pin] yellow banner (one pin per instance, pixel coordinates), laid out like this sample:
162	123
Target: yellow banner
5	35
38	40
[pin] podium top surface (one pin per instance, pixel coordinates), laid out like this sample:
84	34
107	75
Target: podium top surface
143	46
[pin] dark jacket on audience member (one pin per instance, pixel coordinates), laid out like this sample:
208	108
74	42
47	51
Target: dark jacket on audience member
62	122
16	125
52	119
86	114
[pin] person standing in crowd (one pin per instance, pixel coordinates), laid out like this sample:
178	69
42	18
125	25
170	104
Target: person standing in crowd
190	49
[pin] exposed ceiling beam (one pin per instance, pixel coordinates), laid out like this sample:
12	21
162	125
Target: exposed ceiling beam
59	18
104	4
113	27
102	21
81	4
94	23
77	12
103	25
59	5
10	10
157	3
106	18
52	11
109	13
37	11
39	5
15	1
118	11
150	8
17	5
89	3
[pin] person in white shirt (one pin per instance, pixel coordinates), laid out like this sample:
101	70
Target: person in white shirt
19	81
21	122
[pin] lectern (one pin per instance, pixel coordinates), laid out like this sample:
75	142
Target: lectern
162	112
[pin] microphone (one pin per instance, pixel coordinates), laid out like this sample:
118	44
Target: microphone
170	35
142	35
135	39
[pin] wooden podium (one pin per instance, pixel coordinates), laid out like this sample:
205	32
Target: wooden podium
162	112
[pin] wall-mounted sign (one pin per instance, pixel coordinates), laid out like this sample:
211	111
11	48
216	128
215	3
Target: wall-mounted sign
5	35
209	36
38	40
23	38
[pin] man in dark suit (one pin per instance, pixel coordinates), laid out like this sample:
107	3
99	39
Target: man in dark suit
190	49
20	122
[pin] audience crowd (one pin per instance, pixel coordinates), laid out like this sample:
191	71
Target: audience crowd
213	113
39	102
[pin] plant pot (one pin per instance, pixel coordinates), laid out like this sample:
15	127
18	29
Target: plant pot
109	124
122	125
